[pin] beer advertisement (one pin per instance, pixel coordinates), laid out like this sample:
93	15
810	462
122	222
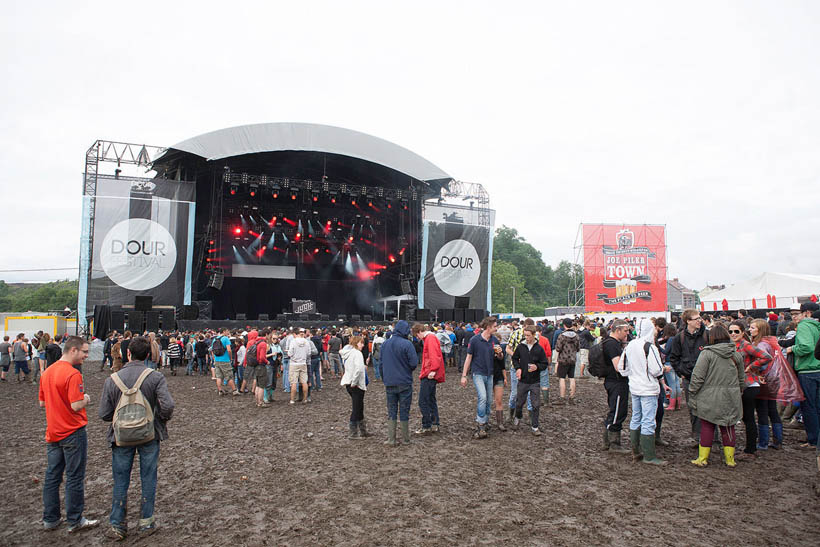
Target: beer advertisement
624	267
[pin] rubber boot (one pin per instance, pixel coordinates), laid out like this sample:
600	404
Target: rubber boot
703	456
354	430
615	443
762	437
635	441
729	455
658	440
777	431
363	429
391	433
648	447
499	418
672	403
605	446
405	432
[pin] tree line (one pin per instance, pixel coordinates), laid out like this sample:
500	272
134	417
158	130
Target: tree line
42	297
518	264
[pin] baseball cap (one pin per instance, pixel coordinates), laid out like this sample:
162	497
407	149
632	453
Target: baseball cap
809	306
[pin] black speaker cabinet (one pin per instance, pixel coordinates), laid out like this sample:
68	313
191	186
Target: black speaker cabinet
143	303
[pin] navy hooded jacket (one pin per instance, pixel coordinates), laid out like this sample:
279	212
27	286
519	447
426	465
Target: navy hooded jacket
398	357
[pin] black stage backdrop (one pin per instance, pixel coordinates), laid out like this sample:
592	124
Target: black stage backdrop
254	296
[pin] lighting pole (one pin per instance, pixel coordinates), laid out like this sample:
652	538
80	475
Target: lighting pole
513	289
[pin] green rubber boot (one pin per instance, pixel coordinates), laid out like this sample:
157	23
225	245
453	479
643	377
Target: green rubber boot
635	441
391	433
648	447
405	432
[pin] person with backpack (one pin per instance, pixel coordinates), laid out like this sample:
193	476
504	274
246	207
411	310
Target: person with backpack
641	364
603	363
63	397
221	350
256	373
138	404
567	348
684	350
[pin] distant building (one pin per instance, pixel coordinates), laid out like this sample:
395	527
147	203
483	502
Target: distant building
678	297
706	291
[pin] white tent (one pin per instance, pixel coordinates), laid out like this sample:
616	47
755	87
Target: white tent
766	291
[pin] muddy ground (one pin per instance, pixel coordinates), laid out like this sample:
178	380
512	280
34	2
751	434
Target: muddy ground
307	484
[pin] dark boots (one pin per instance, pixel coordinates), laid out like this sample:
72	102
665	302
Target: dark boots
615	443
777	430
648	449
405	432
354	430
363	429
391	433
499	418
635	442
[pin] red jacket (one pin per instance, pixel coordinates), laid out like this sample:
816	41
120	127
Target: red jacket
431	358
261	348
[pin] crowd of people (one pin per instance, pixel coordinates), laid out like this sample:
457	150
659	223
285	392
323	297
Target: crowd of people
725	369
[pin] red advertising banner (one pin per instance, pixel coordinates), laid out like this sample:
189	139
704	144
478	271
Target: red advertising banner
624	267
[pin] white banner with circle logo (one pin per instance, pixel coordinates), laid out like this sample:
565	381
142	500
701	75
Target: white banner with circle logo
455	259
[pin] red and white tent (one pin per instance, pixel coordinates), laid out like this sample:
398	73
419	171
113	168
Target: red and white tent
766	291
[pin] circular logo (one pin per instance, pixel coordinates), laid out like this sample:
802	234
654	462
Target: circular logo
138	254
457	269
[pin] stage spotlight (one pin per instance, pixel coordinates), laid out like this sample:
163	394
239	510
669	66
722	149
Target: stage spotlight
234	189
392	259
253	189
293	195
275	194
353	202
237	230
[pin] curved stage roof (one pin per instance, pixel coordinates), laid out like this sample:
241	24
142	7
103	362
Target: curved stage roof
276	137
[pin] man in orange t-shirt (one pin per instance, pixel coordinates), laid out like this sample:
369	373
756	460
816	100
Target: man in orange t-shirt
62	396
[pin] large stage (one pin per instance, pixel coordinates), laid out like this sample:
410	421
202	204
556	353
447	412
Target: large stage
243	220
201	325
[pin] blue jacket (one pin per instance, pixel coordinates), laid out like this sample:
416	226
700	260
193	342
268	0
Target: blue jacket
398	357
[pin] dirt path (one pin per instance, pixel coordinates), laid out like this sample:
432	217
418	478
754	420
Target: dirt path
307	484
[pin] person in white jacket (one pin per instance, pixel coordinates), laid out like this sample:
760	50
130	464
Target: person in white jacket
641	363
355	380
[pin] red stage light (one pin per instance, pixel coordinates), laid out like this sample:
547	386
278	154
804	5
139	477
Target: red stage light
275	195
391	258
370	203
350	238
293	196
298	236
353	202
401	253
315	198
237	230
316	250
253	193
233	192
272	221
208	259
332	200
211	242
389	206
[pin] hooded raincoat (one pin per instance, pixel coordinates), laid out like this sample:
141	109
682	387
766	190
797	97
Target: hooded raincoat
643	368
716	385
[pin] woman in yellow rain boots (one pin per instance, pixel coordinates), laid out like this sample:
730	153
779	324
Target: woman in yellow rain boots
715	394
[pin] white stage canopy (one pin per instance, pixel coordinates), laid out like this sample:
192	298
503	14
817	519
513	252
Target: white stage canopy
766	291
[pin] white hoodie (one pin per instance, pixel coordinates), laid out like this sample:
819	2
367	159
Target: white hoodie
642	370
355	371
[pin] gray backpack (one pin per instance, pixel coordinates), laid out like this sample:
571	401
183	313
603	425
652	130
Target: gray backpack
133	418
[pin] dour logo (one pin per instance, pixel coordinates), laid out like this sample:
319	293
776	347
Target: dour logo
457	268
138	254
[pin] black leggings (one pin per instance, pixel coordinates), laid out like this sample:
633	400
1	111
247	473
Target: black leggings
749	405
357	401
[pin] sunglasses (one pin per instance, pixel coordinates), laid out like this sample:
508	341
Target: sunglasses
734	331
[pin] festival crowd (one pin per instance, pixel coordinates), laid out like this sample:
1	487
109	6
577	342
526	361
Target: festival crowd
726	370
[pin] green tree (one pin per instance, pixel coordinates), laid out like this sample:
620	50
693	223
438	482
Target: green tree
511	247
41	297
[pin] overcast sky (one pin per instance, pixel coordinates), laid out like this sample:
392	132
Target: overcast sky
704	116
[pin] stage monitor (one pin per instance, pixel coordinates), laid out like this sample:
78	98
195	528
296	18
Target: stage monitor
264	317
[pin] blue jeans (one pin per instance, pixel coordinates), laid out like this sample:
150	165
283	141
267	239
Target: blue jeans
484	390
202	365
315	373
67	455
644	408
514	390
285	383
271	370
376	369
239	376
673	382
427	403
401	397
122	459
545	378
810	382
190	368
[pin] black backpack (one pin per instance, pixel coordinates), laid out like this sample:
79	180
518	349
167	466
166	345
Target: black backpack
217	347
251	359
597	361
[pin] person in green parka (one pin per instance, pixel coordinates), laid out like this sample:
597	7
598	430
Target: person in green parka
715	394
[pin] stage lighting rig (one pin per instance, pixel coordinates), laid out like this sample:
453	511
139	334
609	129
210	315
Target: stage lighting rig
253	189
234	188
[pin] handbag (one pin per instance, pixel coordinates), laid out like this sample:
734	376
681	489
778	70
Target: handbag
779	381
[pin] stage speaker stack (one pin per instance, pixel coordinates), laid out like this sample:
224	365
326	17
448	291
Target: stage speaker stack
458	315
190	313
445	314
143	303
241	317
325	317
169	321
204	309
281	317
367	318
118	321
136	322
422	314
152	321
216	279
355	317
264	317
